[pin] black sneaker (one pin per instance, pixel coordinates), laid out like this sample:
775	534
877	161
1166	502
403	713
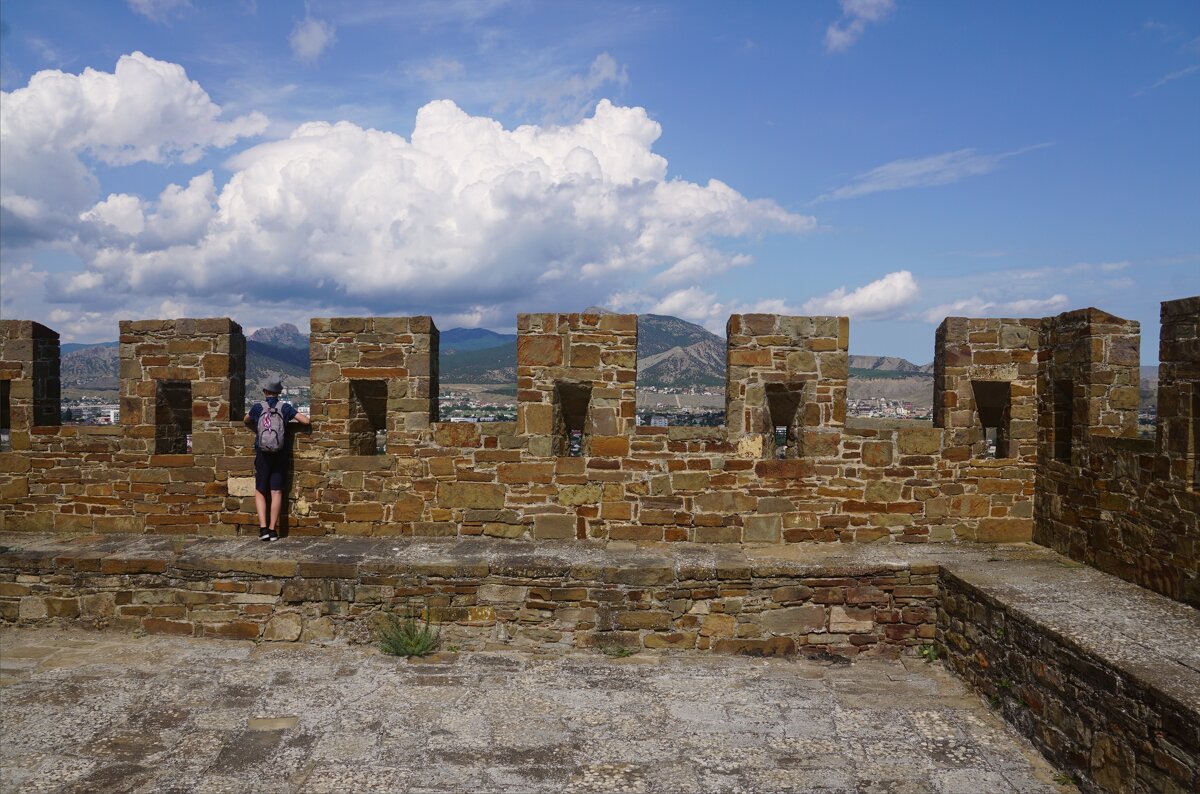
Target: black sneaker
264	534
272	534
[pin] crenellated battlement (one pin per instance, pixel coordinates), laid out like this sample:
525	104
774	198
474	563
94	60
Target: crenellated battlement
1043	392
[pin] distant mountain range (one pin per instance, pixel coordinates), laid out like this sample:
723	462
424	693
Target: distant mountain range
671	353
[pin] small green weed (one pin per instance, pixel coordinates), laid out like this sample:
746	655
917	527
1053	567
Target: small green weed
407	636
617	651
995	701
1063	779
999	634
1005	683
928	652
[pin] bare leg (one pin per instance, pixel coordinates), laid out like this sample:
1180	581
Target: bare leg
260	502
276	506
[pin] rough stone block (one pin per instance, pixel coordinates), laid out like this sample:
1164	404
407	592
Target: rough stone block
284	627
539	351
470	494
848	620
776	646
762	529
554	527
919	441
579	494
793	620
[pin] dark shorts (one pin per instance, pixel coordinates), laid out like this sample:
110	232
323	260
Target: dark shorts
270	471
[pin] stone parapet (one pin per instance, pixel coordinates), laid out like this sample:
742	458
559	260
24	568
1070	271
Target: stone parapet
181	381
372	377
575	466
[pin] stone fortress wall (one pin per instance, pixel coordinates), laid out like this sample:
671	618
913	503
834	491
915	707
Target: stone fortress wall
1128	507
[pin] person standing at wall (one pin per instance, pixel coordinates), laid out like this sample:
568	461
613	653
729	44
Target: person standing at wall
271	418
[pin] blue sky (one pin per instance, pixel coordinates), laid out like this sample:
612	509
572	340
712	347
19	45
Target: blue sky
894	161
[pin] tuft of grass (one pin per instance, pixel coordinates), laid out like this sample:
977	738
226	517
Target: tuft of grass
928	652
407	636
1005	683
617	651
1064	779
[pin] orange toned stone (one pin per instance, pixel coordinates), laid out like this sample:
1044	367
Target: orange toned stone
539	351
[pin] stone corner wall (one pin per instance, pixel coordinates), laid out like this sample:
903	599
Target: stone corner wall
1106	725
1124	505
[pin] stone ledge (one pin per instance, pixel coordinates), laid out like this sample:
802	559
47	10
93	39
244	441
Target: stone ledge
1102	676
842	601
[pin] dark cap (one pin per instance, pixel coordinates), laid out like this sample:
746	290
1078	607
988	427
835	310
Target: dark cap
274	386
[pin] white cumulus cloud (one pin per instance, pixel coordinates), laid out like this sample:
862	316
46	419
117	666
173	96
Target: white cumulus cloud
311	37
465	214
881	298
146	110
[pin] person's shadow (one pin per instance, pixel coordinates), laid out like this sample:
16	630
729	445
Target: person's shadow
296	430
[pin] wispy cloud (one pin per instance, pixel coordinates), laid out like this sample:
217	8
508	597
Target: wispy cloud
159	10
310	38
856	14
978	306
938	169
566	98
437	70
1168	78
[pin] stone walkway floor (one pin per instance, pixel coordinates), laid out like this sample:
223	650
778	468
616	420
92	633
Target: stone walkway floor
100	712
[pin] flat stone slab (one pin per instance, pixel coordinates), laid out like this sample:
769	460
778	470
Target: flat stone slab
102	711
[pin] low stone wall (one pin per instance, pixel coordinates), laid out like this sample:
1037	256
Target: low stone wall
775	608
1109	726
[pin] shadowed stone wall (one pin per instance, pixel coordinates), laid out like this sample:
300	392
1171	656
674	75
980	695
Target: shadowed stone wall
1111	727
29	364
1125	505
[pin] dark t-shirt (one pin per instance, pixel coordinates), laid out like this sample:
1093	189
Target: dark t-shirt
289	413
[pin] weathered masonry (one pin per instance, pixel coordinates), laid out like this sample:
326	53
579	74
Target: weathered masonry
506	526
378	463
1062	390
